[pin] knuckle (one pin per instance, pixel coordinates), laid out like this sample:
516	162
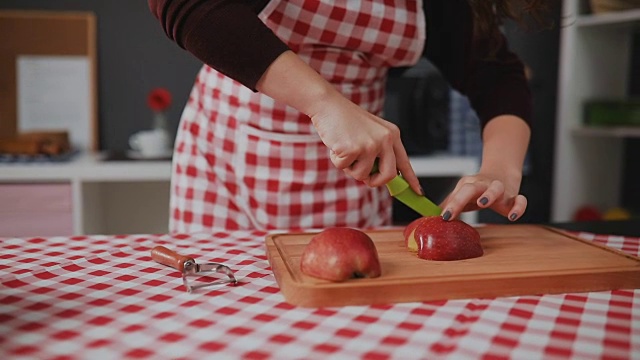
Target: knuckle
455	201
360	177
522	200
338	150
394	132
369	146
340	164
466	180
497	185
471	187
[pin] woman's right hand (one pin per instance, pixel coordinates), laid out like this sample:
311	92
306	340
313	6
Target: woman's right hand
354	136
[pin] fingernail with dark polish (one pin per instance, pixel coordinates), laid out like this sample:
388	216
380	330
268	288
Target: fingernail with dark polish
446	216
484	201
513	216
421	191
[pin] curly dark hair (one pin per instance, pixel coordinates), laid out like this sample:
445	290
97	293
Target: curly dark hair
490	14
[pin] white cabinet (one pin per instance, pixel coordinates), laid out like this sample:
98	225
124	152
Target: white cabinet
48	204
595	54
120	197
129	197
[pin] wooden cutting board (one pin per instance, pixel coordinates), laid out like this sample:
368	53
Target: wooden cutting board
518	260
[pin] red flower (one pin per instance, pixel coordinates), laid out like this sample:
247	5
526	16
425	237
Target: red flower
159	99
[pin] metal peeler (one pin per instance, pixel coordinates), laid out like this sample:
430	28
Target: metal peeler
188	267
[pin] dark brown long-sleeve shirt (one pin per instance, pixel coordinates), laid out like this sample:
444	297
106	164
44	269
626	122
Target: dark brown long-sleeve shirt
228	36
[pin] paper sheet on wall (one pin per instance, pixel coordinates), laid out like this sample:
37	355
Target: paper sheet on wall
54	93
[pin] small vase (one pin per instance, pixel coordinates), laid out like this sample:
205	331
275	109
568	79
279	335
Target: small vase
160	121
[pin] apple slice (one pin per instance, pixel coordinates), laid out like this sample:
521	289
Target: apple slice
408	230
340	253
436	239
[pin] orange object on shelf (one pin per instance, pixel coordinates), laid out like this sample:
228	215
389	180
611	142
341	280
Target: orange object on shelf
37	143
616	213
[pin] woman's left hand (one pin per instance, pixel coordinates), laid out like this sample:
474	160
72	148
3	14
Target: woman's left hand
497	185
484	190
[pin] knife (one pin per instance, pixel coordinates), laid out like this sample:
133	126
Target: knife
399	188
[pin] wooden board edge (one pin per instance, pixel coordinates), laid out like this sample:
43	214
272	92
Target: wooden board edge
279	269
482	289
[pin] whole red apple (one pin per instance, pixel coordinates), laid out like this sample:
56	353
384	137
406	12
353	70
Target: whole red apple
340	253
436	239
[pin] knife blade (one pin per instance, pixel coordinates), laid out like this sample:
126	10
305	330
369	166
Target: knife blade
399	188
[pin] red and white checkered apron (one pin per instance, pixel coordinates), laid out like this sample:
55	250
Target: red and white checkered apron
244	161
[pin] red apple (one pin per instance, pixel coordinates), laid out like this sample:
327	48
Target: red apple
436	239
409	228
340	253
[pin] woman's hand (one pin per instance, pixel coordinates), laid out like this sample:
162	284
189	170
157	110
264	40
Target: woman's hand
497	185
355	137
499	192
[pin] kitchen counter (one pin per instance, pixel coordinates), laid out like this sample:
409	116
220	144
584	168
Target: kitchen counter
102	297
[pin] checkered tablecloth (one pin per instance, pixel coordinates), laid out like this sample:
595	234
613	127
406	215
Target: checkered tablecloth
102	297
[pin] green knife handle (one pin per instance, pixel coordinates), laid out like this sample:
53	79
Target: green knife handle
399	188
397	185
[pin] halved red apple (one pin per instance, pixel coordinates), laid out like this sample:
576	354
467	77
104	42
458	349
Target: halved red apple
433	238
340	253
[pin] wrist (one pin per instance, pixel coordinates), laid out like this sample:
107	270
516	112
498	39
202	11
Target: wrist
501	170
505	143
318	99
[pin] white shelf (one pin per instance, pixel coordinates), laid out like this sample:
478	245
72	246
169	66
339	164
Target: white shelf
117	197
87	167
595	55
90	167
613	131
108	197
444	165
